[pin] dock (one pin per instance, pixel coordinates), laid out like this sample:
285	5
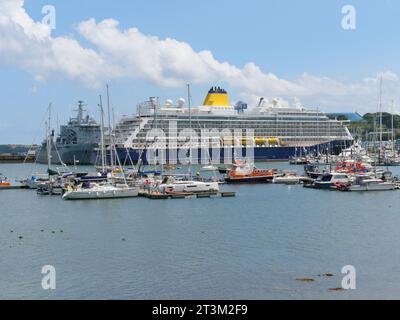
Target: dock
185	195
14	158
13	187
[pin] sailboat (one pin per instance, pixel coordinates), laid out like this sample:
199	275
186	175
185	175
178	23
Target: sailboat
97	191
41	179
393	159
187	184
109	190
52	185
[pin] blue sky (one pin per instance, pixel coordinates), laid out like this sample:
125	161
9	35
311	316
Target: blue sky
298	47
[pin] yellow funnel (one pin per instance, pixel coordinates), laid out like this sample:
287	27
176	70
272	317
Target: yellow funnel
216	97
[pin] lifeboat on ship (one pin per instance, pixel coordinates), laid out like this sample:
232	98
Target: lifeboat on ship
243	172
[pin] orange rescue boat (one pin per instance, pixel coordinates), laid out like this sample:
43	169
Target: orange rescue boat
247	173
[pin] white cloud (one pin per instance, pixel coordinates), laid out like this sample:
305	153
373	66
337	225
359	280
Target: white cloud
30	45
130	54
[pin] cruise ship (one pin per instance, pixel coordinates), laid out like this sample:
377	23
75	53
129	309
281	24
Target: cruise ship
278	131
76	141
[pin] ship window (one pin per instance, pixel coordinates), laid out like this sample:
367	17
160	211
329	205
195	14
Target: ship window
326	178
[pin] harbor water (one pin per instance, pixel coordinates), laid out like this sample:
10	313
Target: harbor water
254	246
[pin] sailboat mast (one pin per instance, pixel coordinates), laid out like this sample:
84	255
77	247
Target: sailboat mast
380	119
109	128
393	128
190	130
102	135
49	140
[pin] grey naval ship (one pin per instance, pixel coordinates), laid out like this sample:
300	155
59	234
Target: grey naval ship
76	141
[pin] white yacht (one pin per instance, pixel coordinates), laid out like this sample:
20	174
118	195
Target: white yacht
287	178
170	184
367	183
101	192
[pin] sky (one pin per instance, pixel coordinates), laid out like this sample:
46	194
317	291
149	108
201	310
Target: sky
256	48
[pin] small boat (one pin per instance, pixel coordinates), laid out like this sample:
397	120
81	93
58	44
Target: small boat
4	181
95	191
367	183
287	178
248	173
34	181
45	179
298	160
329	180
392	162
51	187
312	170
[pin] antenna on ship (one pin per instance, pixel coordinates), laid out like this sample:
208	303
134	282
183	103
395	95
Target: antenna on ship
190	130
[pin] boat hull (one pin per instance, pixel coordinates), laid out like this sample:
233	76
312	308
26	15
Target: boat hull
323	186
190	187
95	194
375	187
261	154
249	180
283	180
70	154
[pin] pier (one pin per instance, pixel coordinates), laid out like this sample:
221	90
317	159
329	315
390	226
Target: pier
13	187
15	158
185	195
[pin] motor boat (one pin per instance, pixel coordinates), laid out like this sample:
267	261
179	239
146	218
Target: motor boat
34	181
329	180
171	184
51	187
287	178
367	183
